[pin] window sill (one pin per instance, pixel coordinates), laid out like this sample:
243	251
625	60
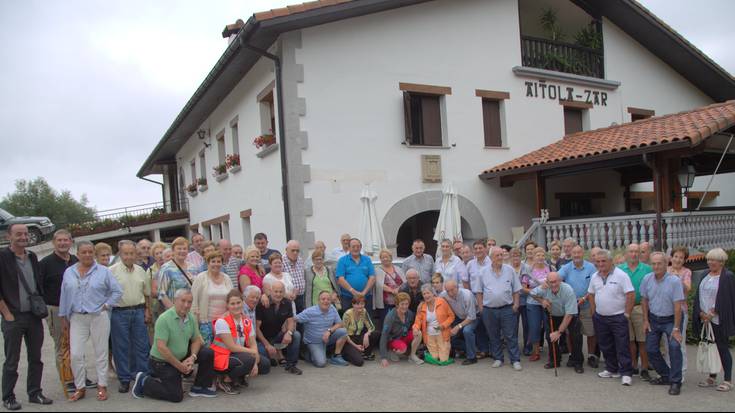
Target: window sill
425	146
267	151
203	188
235	169
193	193
506	148
220	178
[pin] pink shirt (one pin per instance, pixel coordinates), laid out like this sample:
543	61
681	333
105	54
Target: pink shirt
686	277
255	279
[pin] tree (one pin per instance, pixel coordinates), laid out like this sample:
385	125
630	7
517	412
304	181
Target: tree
37	198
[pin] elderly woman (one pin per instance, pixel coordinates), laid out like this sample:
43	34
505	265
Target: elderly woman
714	304
522	271
534	310
277	274
173	276
397	335
88	293
679	256
318	277
433	323
388	280
252	272
449	265
362	338
235	350
103	254
210	291
157	254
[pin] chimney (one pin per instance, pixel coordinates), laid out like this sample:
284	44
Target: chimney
231	30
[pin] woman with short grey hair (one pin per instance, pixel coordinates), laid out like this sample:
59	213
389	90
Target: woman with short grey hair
714	304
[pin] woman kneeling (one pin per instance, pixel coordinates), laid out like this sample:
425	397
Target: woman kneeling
434	319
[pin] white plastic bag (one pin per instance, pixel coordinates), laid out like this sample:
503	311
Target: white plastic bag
708	358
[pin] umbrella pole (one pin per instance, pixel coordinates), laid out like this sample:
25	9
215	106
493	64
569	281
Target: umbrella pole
553	346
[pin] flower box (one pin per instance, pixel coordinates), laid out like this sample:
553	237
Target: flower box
203	188
232	163
264	141
235	169
267	151
220	178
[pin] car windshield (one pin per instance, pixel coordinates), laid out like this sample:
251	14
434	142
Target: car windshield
5	214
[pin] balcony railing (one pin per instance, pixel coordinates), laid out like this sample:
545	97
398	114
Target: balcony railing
562	57
701	230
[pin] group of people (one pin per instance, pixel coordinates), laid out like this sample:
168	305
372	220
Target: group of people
230	313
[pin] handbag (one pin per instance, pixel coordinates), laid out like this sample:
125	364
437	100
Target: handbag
38	304
708	358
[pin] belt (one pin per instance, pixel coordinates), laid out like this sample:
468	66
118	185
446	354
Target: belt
134	307
498	308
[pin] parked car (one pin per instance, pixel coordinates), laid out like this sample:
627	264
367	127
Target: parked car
39	228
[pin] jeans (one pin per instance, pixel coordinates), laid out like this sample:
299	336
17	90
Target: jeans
536	319
318	351
502	320
663	326
241	364
130	343
613	338
466	338
164	382
292	351
523	322
28	327
482	340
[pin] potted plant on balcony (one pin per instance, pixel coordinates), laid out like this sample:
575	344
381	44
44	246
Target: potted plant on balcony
192	189
220	172
202	184
233	163
264	141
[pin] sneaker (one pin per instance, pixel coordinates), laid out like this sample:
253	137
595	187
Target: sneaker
202	392
627	381
645	376
71	387
11	404
337	360
497	364
469	362
39	398
294	370
89	384
394	357
636	372
226	388
517	366
138	385
416	359
124	387
593	362
570	363
607	375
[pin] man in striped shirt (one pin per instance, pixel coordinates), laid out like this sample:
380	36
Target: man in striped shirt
232	263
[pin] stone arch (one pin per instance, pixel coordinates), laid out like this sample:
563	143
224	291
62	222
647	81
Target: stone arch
429	201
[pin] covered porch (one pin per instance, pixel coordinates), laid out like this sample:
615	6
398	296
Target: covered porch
585	184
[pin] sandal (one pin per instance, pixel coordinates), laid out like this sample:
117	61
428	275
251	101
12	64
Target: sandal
724	387
710	382
78	395
101	393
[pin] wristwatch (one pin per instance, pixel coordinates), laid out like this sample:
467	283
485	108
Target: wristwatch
676	329
289	332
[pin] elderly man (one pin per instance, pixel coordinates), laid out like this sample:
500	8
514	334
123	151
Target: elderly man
566	247
578	274
178	345
52	269
231	263
412	287
498	290
637	270
662	300
356	277
251	296
611	297
277	330
420	262
560	300
18	321
294	265
261	243
130	342
457	246
343	249
195	259
323	328
144	258
646	253
237	251
475	267
462	302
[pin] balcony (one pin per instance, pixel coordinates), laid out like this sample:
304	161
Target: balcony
562	57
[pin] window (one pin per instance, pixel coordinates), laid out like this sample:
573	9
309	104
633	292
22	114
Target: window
267	110
572	121
193	171
202	165
637	114
235	137
492	109
221	151
423	119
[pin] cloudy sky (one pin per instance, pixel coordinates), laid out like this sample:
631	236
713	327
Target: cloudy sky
89	87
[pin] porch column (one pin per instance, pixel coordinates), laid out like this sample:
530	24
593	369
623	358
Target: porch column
156	235
540	193
660	168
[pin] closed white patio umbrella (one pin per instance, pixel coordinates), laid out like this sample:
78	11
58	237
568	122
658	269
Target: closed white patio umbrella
371	232
450	222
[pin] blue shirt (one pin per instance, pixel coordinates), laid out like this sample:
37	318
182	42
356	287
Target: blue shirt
316	322
662	295
578	278
89	294
356	274
562	303
497	289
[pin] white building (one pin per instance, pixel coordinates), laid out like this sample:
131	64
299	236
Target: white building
408	95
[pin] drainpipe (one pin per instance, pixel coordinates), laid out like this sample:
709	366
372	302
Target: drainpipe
163	193
659	220
281	130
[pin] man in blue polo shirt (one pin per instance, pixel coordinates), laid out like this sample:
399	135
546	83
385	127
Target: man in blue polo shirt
578	274
356	276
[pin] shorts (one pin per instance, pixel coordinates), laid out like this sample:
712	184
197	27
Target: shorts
585	319
635	325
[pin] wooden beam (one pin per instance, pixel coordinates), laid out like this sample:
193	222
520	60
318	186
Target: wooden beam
641	112
426	89
215	221
246	213
492	94
575	104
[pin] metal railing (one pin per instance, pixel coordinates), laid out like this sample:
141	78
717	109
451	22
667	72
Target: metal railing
143	209
562	57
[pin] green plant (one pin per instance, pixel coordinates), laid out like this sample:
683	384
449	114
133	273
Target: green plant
202	181
589	37
219	170
549	20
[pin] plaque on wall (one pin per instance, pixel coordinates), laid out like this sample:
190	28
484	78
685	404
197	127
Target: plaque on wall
431	168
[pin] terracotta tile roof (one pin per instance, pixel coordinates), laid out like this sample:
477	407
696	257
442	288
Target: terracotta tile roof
296	8
695	126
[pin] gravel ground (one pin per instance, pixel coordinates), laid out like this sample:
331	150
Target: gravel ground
404	386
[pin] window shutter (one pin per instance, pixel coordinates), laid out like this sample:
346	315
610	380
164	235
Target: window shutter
432	122
572	121
407	116
491	118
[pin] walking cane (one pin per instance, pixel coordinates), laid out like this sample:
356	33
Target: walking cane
553	347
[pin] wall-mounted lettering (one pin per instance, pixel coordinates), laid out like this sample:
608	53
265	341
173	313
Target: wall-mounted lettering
544	90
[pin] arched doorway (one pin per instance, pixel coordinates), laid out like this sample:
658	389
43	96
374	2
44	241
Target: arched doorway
422	226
